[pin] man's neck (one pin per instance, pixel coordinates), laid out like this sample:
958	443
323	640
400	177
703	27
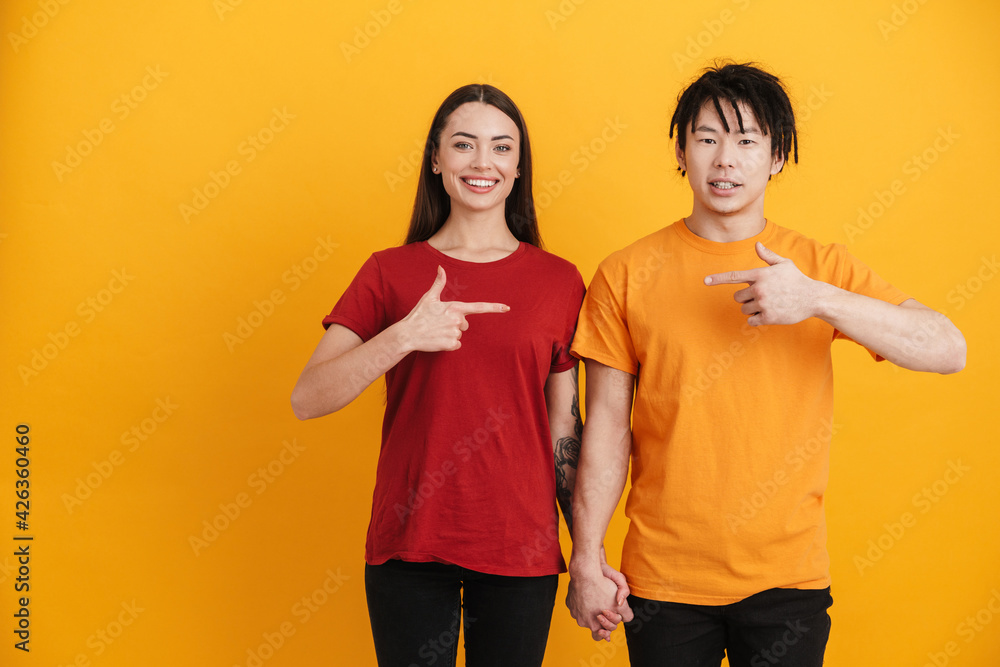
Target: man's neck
725	228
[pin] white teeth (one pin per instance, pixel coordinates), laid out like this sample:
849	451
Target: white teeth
724	185
480	182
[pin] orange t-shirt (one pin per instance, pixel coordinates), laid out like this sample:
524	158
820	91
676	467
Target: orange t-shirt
731	424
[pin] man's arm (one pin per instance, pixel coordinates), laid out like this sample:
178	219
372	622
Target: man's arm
562	398
910	335
603	466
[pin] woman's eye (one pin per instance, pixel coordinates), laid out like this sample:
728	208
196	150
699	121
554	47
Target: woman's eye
463	145
502	148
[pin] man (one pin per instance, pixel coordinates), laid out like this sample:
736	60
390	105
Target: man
720	325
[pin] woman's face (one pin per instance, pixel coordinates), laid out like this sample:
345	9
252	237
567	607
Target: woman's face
478	156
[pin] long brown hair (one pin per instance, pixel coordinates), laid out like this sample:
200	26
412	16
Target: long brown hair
432	204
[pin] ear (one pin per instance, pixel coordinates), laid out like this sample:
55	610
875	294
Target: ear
777	163
434	158
679	152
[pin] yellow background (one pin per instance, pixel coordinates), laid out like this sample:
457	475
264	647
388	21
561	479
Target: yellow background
163	99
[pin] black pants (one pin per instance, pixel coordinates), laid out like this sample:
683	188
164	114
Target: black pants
781	626
415	610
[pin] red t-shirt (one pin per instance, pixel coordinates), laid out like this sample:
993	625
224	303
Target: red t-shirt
466	473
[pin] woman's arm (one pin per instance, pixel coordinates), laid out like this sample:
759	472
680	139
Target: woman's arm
343	366
562	398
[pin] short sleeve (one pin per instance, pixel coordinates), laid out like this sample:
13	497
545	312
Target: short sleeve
602	332
562	360
362	307
858	277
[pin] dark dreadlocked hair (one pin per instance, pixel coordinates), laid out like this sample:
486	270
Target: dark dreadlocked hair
740	83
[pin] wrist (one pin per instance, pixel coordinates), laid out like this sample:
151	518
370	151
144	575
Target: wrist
402	340
824	301
585	565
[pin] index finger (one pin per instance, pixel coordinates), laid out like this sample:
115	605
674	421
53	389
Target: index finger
474	307
732	277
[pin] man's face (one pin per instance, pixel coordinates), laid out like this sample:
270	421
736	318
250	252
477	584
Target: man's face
728	171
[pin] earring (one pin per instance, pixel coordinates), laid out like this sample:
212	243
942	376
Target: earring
434	169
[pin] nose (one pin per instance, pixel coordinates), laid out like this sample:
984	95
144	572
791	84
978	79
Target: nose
725	155
481	159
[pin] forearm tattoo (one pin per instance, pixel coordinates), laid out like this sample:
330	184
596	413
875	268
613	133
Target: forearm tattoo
567	457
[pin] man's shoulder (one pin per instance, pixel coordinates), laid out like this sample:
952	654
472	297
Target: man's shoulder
794	244
640	249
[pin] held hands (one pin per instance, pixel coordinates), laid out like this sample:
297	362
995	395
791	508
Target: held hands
777	294
598	601
435	325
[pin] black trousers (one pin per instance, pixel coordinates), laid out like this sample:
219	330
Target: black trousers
415	609
781	626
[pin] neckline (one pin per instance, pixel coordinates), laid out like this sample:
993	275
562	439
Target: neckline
720	248
455	261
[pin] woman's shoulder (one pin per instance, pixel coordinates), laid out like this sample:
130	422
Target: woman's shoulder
550	261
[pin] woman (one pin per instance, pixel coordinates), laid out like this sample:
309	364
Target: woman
471	323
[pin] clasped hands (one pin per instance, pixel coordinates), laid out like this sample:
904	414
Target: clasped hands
597	598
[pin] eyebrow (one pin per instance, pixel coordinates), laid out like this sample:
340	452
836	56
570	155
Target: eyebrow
472	136
746	130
